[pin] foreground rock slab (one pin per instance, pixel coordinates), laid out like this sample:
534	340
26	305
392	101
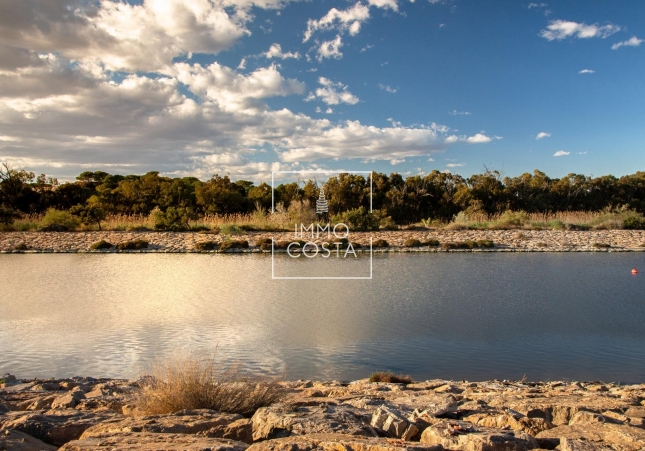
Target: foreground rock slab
19	441
144	441
339	442
463	435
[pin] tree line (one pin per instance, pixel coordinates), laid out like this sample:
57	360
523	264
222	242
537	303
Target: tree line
436	196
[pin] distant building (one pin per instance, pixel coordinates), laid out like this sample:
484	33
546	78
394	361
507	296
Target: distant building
321	204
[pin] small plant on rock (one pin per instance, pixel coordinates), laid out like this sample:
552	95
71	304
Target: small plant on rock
601	245
411	242
205	245
59	221
101	245
228	245
20	247
431	243
132	245
380	243
387	376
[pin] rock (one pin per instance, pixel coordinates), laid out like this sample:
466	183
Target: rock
635	412
41	403
184	422
4	408
592	417
582	445
531	426
338	442
68	401
281	421
46	386
464	435
393	424
240	430
621	437
19	441
144	441
429	404
55	427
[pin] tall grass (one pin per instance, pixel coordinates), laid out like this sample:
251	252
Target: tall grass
190	380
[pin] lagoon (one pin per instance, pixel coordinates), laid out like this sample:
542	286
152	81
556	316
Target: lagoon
455	316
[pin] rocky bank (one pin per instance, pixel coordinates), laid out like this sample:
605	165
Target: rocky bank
176	242
82	414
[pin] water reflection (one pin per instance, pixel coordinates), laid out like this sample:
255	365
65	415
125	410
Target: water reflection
468	316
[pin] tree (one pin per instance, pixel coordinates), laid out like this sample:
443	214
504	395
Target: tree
90	213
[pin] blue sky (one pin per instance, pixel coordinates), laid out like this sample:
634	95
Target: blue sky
398	86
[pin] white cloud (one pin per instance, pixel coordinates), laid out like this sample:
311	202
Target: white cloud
561	29
543	135
538	5
366	48
349	20
275	51
479	138
561	153
391	4
387	88
333	93
330	49
455	165
396	161
459	113
631	42
586	71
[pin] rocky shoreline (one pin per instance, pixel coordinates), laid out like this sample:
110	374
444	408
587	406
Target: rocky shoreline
180	242
83	413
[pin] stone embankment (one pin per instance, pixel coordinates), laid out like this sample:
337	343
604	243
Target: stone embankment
83	414
176	242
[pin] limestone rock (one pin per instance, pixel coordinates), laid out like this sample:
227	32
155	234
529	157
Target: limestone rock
144	441
281	421
531	426
582	445
464	435
184	422
431	404
339	442
55	427
240	430
19	441
635	412
4	408
68	401
393	424
620	437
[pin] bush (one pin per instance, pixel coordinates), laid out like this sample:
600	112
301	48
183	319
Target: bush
359	219
205	245
20	247
411	242
231	229
89	214
388	223
227	245
386	376
512	219
192	381
431	243
601	245
542	244
173	219
132	245
485	243
380	243
556	225
101	245
468	244
7	216
634	221
55	217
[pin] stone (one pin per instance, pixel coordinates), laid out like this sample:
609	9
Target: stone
46	386
41	403
531	426
4	408
393	423
582	445
621	437
240	430
339	442
184	422
466	436
55	427
19	441
281	421
635	412
68	401
425	404
145	441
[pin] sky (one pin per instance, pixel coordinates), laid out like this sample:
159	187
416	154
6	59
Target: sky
247	87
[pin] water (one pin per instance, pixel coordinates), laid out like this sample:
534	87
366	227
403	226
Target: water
461	316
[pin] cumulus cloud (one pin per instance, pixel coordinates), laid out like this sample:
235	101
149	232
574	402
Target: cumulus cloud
349	20
330	49
391	4
561	29
479	138
586	71
543	135
631	42
275	51
561	153
333	93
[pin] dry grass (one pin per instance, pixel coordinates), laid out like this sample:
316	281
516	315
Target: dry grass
386	376
189	380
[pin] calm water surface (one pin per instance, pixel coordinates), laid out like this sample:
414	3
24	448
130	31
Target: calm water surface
461	316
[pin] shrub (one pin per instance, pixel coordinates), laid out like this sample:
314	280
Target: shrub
200	228
173	219
193	381
138	229
431	243
634	221
55	217
20	247
359	219
231	229
411	242
468	244
205	245
7	216
263	241
386	376
380	243
556	225
132	245
227	245
512	219
541	244
89	213
485	243
388	223
285	245
601	245
101	245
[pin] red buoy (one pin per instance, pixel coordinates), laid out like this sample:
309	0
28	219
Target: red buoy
634	271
